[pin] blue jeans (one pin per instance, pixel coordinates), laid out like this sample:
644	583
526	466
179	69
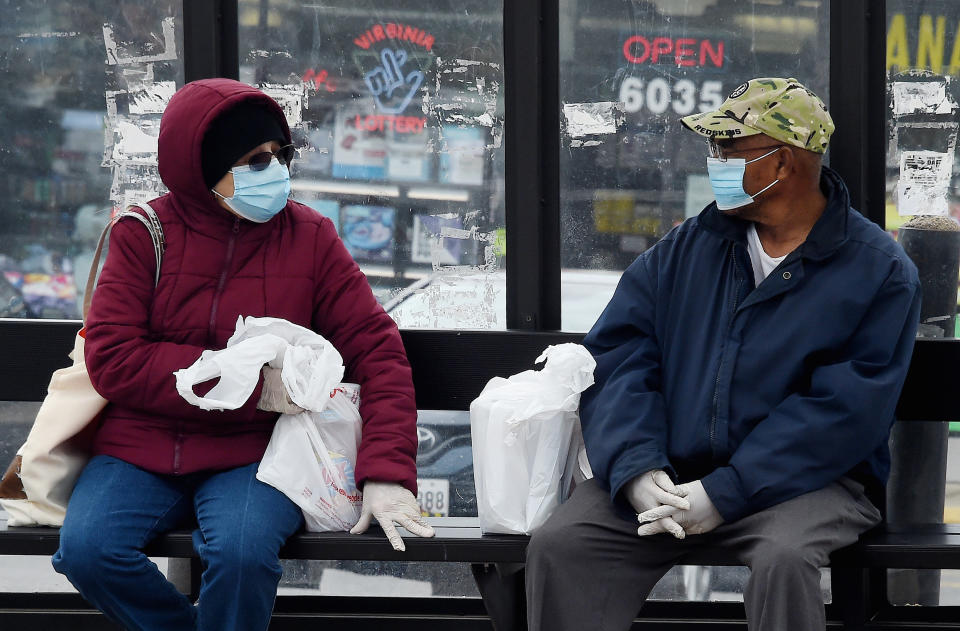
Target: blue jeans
117	508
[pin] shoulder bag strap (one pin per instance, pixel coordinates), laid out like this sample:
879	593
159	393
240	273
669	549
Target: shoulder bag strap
151	222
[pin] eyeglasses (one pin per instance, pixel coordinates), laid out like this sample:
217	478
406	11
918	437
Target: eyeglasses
716	151
260	161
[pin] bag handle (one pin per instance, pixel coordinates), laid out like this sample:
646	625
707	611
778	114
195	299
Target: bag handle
153	225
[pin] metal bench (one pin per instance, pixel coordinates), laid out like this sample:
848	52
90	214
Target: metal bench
450	369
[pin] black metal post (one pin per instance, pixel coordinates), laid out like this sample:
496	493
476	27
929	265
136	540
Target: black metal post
857	101
532	158
210	40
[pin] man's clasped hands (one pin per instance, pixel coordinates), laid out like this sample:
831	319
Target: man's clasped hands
662	506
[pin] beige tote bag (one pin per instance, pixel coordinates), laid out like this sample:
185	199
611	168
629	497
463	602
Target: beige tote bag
37	485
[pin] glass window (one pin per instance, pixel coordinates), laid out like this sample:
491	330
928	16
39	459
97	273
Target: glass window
922	209
377	579
27	574
398	120
629	171
922	185
628	72
84	85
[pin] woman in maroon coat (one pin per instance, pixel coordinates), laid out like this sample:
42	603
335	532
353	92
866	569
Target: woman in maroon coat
235	246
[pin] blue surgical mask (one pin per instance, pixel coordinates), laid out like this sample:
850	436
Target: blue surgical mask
726	179
259	195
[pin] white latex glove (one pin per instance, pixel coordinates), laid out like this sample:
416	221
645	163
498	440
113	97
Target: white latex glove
652	490
701	517
390	502
274	397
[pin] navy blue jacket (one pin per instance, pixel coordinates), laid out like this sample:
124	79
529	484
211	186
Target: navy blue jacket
764	393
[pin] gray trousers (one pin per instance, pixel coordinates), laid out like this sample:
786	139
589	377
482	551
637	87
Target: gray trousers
588	569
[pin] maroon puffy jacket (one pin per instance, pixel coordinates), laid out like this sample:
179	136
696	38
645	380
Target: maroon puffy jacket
217	267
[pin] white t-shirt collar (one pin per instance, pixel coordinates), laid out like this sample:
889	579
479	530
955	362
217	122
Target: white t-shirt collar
762	262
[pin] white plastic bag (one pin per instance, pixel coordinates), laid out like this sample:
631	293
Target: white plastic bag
523	429
311	458
310	365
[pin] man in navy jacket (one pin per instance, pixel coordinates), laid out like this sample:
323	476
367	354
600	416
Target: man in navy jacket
748	367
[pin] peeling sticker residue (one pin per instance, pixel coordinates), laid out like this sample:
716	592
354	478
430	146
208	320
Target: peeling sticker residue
137	77
152	98
290	98
924	179
485	119
117	53
48	34
460	119
268	53
585	119
132	137
484	240
585	143
903	134
921	97
454	295
455	233
135	140
137	196
109	130
465	94
134	109
443	236
455	298
140	179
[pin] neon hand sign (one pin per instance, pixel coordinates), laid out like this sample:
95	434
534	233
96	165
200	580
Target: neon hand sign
387	78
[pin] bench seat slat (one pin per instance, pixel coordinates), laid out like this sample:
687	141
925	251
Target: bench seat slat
457	539
927	546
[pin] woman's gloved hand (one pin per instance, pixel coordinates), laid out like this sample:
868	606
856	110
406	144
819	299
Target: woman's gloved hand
391	503
274	397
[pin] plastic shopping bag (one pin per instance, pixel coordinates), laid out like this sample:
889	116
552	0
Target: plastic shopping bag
311	459
311	455
310	365
525	432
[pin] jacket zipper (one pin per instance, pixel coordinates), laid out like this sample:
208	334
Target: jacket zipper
716	387
223	279
176	450
231	244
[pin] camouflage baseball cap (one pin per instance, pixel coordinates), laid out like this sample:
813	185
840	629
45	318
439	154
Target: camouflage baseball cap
780	108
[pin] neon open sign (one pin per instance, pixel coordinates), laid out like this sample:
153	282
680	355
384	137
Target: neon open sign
682	51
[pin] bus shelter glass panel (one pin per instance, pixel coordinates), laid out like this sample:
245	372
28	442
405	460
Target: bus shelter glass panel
922	212
922	179
84	84
628	72
629	171
397	115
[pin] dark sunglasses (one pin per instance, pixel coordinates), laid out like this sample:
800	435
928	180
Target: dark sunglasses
718	151
260	161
